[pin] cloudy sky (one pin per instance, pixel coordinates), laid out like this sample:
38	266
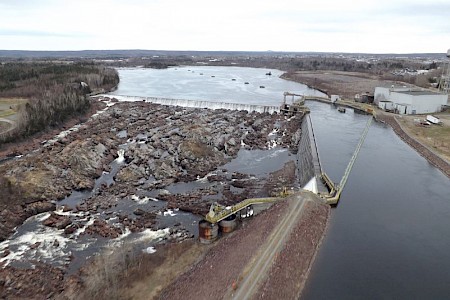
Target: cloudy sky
371	26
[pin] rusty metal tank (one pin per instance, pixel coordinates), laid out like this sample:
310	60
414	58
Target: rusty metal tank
207	232
229	224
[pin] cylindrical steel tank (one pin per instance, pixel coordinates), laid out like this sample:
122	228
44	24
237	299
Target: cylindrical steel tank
229	224
207	232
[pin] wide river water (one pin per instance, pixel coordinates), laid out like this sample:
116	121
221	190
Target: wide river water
389	236
221	84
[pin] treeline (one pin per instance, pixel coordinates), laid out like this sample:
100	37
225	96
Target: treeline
55	92
29	79
376	65
326	63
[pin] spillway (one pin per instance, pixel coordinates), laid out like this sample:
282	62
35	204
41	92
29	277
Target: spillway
198	103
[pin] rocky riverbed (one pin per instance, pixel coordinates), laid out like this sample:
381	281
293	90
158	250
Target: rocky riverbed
125	173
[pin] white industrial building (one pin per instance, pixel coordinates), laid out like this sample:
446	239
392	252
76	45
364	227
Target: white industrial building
409	101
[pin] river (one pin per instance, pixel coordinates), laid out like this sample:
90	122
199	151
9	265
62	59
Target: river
388	238
220	84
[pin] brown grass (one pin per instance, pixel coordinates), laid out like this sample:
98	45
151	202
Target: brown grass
149	282
435	137
127	274
10	106
346	84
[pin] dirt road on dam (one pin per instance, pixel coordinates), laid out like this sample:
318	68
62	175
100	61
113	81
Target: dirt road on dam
269	257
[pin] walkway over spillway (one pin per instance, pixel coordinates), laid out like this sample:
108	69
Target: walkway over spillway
199	103
333	193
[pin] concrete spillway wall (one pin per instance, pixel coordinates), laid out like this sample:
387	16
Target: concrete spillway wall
305	162
199	103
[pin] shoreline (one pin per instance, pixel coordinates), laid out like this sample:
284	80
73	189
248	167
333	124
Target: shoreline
426	153
421	149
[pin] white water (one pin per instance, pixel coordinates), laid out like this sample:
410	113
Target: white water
121	158
311	185
199	103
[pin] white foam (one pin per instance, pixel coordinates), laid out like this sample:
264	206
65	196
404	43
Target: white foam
149	235
271	144
311	185
41	217
198	103
149	250
170	213
60	211
44	235
143	200
271	155
121	158
274	132
83	229
205	178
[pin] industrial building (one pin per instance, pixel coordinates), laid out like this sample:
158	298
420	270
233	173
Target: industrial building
409	101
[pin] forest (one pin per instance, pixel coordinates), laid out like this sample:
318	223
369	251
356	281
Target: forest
55	92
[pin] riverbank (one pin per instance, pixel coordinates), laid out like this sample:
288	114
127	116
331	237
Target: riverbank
345	84
424	151
348	84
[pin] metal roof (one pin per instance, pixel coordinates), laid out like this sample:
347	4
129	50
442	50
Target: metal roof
418	93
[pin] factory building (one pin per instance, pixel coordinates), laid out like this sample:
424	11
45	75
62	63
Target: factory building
409	101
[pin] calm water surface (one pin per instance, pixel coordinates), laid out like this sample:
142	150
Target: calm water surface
187	83
389	237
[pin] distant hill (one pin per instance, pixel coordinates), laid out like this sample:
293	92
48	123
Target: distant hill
117	54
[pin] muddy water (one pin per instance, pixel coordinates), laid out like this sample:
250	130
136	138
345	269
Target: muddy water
388	238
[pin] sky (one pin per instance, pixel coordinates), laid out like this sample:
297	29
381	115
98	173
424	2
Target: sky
366	26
